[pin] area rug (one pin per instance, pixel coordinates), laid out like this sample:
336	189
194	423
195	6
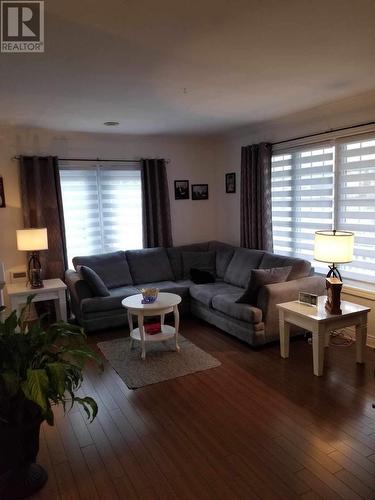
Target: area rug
162	362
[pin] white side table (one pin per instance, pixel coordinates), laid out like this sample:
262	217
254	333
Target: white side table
320	322
54	289
164	304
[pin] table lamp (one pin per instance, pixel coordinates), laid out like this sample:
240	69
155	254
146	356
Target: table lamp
33	240
333	247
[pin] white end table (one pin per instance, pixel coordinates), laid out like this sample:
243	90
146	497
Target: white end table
318	321
54	289
164	304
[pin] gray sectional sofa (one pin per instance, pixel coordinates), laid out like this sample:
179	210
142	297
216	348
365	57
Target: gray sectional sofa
168	269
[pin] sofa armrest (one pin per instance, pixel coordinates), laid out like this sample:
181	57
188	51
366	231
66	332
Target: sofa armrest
270	295
78	290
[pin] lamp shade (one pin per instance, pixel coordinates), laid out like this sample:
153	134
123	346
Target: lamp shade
334	247
31	240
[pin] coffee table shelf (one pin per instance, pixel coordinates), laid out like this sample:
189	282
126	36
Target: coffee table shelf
164	304
166	333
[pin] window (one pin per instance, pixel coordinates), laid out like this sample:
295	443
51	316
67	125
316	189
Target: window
356	204
302	199
326	186
102	208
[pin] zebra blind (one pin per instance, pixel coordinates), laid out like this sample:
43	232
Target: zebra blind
302	198
356	203
102	208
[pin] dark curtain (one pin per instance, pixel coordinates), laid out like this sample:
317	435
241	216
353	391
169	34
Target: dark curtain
157	231
256	209
42	207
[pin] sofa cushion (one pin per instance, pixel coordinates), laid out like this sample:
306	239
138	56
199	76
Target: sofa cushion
111	267
300	267
175	256
226	303
205	293
240	266
94	281
261	277
97	304
206	261
224	254
149	265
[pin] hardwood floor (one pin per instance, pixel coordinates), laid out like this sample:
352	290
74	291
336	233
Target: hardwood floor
255	427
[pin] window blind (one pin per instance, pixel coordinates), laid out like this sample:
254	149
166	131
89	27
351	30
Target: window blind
302	198
356	203
102	208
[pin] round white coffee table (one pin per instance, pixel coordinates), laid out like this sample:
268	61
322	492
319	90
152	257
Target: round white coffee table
164	304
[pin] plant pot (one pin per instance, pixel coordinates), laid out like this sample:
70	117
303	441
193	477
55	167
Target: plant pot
20	476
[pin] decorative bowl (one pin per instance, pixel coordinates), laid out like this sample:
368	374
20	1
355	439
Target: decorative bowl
149	295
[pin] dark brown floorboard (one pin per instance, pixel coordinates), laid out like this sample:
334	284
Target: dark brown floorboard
256	427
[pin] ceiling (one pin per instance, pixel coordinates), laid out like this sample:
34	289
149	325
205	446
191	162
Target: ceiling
173	66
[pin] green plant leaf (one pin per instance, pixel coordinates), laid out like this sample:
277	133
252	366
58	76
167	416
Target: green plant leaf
43	365
9	325
57	376
35	388
25	311
89	405
82	354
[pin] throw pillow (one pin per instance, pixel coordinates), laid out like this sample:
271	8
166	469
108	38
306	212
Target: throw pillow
206	261
94	281
200	277
261	277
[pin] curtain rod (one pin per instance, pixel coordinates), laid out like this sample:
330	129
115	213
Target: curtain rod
322	133
95	160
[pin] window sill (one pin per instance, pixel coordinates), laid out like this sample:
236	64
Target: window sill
358	288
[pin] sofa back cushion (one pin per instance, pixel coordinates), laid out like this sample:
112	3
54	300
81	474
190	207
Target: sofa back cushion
241	264
149	265
300	267
112	268
224	254
259	278
95	282
175	257
205	261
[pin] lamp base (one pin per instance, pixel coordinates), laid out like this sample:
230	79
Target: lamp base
35	271
333	286
36	285
334	272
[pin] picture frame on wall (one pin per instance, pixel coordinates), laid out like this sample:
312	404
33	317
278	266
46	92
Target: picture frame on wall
2	194
230	182
199	191
181	190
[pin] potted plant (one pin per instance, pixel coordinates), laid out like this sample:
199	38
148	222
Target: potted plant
39	368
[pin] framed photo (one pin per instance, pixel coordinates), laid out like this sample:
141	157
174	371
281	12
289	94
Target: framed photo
181	190
230	182
2	194
199	191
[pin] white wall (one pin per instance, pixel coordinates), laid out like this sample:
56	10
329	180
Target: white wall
343	113
191	158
